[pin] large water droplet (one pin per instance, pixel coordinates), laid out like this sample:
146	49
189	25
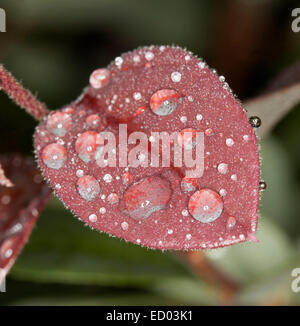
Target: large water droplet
54	156
88	187
145	197
164	102
205	205
58	123
87	144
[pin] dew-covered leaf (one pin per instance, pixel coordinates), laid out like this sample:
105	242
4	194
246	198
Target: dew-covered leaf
20	206
156	89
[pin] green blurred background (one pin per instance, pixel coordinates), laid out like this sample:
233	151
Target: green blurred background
53	46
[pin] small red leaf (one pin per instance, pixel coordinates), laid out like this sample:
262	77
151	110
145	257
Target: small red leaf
20	207
156	89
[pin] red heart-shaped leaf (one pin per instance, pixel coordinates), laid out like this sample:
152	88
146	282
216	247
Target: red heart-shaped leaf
20	206
155	89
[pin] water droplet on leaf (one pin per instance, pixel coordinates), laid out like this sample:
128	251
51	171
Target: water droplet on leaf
54	156
262	185
88	187
255	122
87	144
205	205
164	102
223	168
231	221
145	197
99	78
58	123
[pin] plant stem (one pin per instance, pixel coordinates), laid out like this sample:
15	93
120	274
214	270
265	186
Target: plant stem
21	96
210	273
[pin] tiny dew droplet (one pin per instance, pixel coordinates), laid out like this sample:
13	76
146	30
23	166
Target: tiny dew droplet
223	168
185	212
188	236
208	132
124	226
229	142
107	178
246	138
93	218
199	117
262	185
149	56
255	122
79	173
137	96
183	119
8	253
231	221
113	198
233	177
102	210
176	76
118	61
223	192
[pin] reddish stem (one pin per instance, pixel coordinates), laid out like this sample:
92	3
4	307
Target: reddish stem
21	95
